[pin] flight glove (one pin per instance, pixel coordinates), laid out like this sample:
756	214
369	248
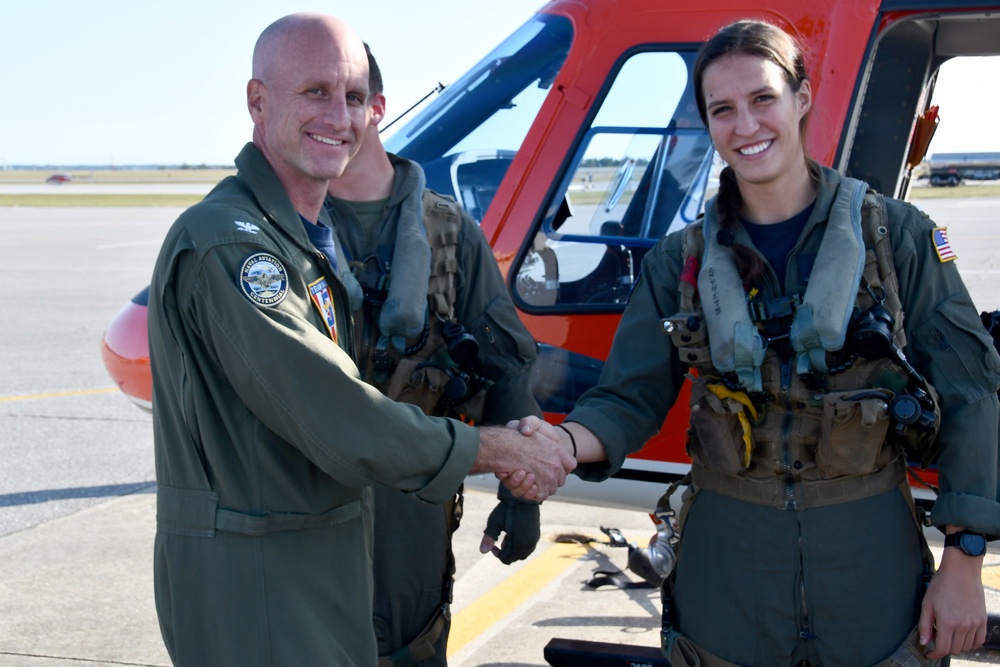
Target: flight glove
519	519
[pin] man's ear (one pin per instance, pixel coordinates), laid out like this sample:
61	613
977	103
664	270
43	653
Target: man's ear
377	105
256	92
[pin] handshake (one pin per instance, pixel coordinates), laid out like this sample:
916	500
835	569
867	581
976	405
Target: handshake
530	457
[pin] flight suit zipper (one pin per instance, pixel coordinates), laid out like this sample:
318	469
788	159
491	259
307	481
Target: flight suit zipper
785	392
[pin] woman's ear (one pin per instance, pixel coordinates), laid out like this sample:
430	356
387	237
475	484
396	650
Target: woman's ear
804	97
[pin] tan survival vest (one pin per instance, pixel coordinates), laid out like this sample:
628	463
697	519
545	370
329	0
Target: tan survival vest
420	374
813	429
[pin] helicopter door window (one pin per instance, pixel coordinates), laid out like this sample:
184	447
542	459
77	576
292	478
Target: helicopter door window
466	138
640	171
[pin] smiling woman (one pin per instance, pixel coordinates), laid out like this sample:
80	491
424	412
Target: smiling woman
771	302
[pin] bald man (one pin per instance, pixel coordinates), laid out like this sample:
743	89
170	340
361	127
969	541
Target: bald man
267	441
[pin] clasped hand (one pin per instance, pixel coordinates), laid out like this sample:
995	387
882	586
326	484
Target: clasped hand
532	462
525	482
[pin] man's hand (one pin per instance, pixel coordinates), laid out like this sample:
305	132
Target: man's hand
953	613
532	466
519	519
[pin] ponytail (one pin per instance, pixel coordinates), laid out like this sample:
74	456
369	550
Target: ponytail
728	203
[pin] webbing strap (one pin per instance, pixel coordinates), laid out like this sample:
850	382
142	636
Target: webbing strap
773	492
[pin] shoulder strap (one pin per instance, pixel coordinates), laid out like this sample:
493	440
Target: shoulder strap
687	328
442	220
693	249
874	220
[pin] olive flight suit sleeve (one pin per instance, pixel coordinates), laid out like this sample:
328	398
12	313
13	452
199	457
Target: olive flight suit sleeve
284	369
947	343
643	374
507	350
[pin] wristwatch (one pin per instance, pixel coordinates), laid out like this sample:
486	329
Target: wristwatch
971	544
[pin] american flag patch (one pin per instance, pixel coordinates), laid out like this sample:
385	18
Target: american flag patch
941	245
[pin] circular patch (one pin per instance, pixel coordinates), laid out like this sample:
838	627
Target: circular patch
263	279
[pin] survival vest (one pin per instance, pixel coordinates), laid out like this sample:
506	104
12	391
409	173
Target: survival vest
798	418
426	373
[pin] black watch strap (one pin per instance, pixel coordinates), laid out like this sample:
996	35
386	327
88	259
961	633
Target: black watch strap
971	544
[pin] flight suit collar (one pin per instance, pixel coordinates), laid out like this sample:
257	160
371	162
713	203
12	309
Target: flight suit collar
407	179
254	170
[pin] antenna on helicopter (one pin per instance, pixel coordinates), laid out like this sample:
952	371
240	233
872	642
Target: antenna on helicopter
436	89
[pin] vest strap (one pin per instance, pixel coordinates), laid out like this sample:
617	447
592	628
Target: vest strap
774	491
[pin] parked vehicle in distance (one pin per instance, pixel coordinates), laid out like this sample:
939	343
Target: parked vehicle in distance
59	178
950	169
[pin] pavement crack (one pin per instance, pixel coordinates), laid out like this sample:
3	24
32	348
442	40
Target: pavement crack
89	661
113	420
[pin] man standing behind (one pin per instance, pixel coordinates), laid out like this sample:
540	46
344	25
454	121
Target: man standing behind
267	441
437	329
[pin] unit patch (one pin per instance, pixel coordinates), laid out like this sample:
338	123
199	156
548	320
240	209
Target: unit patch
941	245
264	280
323	300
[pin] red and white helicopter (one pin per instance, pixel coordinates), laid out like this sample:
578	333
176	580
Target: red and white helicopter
576	144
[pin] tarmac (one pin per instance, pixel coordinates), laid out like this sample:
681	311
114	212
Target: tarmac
77	503
77	591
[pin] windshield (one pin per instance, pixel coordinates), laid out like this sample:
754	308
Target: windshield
467	137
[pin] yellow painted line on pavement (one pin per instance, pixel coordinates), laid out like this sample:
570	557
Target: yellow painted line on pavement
57	394
991	576
504	598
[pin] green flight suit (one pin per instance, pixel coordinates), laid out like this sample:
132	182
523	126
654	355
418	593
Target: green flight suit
412	583
840	584
267	441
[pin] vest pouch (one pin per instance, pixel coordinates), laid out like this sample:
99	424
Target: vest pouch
717	439
911	654
689	334
417	383
853	429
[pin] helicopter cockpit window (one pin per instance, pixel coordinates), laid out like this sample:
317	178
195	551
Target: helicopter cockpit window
468	136
642	169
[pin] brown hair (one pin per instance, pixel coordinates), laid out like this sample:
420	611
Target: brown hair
763	40
374	73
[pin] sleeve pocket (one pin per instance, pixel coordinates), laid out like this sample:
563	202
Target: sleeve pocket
508	344
962	359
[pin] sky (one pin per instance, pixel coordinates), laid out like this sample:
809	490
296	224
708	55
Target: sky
120	82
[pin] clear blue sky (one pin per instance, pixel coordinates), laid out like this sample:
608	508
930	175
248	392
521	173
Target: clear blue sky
125	82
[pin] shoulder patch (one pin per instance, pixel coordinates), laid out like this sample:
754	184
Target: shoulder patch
263	279
939	236
323	300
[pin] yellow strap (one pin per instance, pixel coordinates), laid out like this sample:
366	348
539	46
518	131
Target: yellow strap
741	397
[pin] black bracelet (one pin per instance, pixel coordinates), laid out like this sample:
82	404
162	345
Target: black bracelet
572	440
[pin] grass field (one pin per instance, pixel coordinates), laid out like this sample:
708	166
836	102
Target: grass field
98	200
109	176
158	176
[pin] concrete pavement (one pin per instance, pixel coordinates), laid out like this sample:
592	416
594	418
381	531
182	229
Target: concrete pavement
77	591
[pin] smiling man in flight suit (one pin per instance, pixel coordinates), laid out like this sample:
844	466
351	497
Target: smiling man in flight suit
267	441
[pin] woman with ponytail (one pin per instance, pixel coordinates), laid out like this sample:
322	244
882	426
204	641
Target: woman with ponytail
792	300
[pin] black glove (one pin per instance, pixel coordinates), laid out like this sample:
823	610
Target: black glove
519	519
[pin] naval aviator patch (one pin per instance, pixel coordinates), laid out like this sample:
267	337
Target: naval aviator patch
264	280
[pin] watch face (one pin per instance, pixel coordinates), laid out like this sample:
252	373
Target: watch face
972	543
